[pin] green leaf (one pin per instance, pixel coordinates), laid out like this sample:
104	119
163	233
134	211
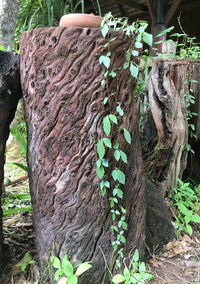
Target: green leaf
183	209
113	74
105	60
116	146
142	267
72	280
117	155
123	157
148	276
148	38
121	176
189	229
118	192
2	48
135	52
9	212
82	268
19	165
123	210
67	267
59	272
100	149
100	172
165	31
23	266
26	257
106	125
55	261
120	110
105	163
138	44
105	100
99	162
122	239
114	174
104	183
107	142
107	184
127	135
124	226
136	255
134	70
103	191
195	218
104	30
113	118
126	65
118	278
127	274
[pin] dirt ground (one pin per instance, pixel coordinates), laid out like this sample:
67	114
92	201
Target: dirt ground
177	263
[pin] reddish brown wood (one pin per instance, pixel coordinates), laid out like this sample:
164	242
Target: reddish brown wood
10	92
61	81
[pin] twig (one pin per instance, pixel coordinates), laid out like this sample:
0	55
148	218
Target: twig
16	181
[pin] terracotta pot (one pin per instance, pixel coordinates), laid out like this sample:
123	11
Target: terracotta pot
81	20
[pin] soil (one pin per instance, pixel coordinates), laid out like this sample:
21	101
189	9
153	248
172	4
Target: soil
177	263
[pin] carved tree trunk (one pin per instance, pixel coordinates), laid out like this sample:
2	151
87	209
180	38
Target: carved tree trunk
61	82
166	132
10	92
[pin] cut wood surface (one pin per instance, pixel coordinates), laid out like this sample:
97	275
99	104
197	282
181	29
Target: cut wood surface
61	81
10	92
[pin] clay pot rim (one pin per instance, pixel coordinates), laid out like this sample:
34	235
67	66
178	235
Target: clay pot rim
80	20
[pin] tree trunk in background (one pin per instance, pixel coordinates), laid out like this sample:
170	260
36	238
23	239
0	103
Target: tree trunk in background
8	17
10	91
166	131
61	81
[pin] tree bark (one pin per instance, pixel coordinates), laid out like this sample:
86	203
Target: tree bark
10	92
61	81
166	131
8	17
193	83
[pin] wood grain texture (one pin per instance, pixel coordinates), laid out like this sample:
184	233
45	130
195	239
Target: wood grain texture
63	97
10	92
167	129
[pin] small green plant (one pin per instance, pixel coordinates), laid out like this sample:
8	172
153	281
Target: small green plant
136	273
187	47
46	13
186	200
66	273
25	262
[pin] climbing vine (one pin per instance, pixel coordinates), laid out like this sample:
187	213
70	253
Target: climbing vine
113	180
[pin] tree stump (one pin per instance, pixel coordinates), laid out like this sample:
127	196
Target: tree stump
166	132
61	81
10	92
